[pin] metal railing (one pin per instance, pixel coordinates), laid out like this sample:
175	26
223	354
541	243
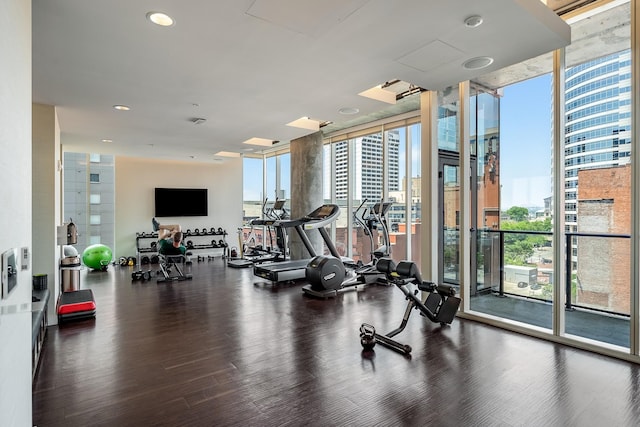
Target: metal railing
569	262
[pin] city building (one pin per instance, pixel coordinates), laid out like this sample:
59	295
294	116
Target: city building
598	122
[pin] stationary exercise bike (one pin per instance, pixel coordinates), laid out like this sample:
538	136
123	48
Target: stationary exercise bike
440	304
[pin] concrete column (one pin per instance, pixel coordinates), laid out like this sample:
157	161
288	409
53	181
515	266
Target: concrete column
306	188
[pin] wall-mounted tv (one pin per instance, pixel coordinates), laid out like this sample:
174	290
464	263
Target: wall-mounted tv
181	202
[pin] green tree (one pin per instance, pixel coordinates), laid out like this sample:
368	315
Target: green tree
517	213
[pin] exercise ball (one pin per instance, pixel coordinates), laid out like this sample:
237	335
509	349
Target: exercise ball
97	256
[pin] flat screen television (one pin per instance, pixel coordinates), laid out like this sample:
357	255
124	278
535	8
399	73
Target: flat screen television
181	202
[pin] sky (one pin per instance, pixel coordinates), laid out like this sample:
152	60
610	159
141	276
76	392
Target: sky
525	143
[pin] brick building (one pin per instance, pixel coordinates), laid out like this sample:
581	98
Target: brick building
603	264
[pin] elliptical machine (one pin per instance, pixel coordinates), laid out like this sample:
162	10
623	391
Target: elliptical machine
329	276
373	219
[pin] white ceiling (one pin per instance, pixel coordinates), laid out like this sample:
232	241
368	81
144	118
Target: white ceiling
250	66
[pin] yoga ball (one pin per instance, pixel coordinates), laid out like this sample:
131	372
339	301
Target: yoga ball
97	256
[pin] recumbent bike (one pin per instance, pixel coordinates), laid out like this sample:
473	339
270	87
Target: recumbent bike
440	304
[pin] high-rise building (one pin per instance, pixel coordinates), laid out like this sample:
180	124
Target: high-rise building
598	121
89	194
369	166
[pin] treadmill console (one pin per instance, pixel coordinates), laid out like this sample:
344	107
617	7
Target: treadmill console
279	204
322	212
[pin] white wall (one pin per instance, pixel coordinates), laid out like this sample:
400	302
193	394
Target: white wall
15	214
46	183
137	178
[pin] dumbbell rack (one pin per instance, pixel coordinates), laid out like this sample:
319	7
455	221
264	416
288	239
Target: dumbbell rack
206	243
146	246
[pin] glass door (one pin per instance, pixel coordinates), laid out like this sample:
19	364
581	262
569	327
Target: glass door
449	219
449	242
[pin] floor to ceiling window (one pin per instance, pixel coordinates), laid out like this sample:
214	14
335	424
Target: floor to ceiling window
517	252
89	196
518	269
253	203
399	217
597	176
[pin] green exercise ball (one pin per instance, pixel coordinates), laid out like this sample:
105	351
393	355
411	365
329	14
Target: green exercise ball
97	256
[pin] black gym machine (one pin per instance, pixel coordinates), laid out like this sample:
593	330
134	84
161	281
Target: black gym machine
440	304
251	254
329	276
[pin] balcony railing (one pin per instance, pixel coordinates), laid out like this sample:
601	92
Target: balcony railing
596	269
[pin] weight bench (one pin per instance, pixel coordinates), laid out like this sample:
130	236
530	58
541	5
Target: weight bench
171	270
440	304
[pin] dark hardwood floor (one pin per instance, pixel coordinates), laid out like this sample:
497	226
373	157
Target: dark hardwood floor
228	348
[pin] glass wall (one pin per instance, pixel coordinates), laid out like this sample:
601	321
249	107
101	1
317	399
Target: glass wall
89	197
343	168
368	189
399	216
253	203
371	168
517	262
415	190
597	177
515	241
484	133
449	185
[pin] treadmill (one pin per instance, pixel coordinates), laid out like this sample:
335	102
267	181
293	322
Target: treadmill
273	216
295	269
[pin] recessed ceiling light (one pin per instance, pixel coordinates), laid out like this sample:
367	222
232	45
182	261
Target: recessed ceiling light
348	111
107	141
227	154
305	123
259	141
473	21
160	18
477	63
380	94
122	107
